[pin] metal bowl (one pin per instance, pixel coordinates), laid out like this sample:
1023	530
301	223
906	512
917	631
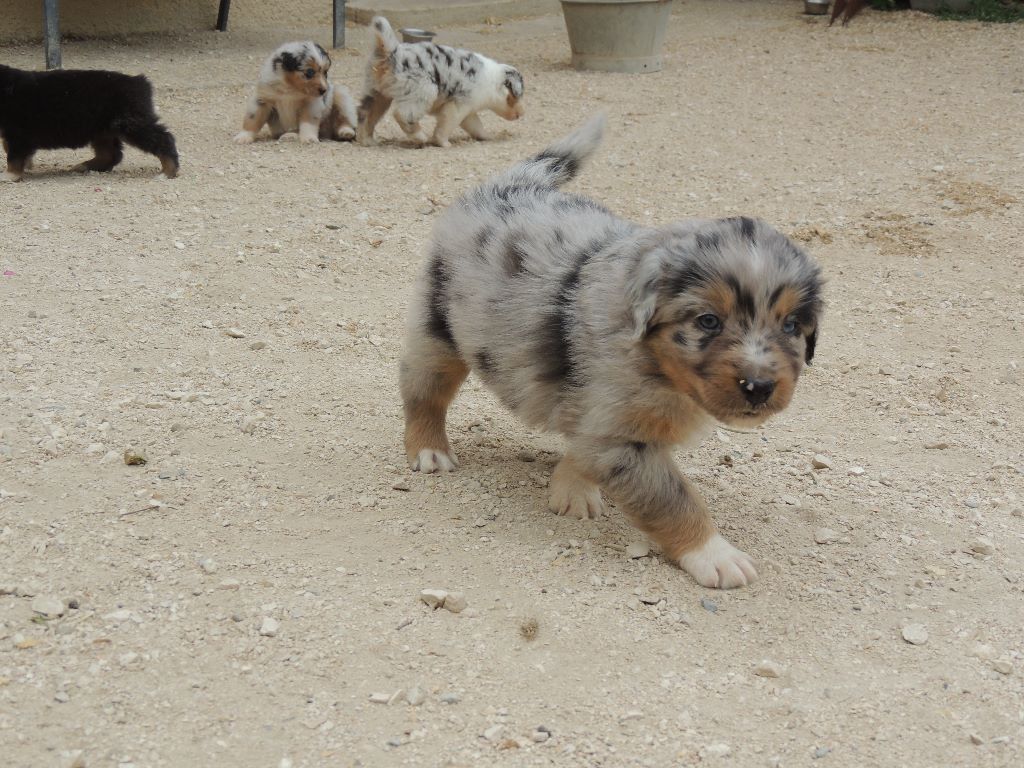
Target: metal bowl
816	7
411	35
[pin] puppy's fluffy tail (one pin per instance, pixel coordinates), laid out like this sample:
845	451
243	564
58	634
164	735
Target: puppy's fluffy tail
387	40
561	161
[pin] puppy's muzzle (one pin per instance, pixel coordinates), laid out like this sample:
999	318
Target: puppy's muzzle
757	391
322	89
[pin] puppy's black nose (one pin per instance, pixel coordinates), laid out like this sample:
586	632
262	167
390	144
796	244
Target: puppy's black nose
757	391
322	90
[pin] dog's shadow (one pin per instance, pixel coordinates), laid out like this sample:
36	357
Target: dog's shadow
52	173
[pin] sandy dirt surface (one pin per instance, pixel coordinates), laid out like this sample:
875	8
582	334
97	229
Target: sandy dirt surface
247	596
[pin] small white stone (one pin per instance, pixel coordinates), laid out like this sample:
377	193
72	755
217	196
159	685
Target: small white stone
234	333
915	634
1002	666
122	614
49	607
821	461
207	565
638	549
768	668
455	602
539	736
825	536
983	651
789	500
433	597
856	471
258	345
380	698
983	546
62	697
494	732
415	696
269	626
717	750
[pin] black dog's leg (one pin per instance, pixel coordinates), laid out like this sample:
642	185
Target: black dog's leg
19	157
108	154
153	138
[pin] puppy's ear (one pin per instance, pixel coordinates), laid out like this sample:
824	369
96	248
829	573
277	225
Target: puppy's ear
514	82
642	291
812	340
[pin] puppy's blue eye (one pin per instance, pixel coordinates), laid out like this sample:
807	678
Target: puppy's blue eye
709	322
789	326
310	73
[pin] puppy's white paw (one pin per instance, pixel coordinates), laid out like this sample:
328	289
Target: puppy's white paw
719	564
575	499
346	133
443	143
8	176
245	137
433	460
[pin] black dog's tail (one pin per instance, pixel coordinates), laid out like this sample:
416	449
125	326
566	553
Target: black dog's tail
142	128
560	162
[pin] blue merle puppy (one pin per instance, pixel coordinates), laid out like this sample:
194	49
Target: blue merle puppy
628	340
293	93
69	108
424	78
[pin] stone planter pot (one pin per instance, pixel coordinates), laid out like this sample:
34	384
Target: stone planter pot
616	35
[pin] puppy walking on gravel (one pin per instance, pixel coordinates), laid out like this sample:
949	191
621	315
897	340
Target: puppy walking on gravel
425	78
628	340
67	109
294	94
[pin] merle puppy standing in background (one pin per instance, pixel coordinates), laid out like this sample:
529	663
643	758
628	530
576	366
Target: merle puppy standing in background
428	79
67	109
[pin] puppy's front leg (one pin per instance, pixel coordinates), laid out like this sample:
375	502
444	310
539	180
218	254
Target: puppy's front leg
644	479
448	118
309	123
474	126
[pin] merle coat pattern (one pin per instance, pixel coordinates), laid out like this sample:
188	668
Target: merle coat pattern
426	78
627	339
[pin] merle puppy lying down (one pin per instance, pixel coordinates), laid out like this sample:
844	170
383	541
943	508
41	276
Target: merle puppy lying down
67	109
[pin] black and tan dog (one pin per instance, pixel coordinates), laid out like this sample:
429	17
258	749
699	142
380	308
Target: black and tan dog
628	340
67	109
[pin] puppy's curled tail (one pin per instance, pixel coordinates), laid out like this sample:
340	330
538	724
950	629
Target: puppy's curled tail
387	40
561	161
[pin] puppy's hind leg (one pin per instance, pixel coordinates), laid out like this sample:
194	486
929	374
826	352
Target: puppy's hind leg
256	115
153	138
645	480
412	129
371	109
430	375
108	151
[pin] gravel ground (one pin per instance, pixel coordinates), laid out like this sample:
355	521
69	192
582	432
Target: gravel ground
250	596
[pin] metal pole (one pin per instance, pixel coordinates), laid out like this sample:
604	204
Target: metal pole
51	33
339	23
222	15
